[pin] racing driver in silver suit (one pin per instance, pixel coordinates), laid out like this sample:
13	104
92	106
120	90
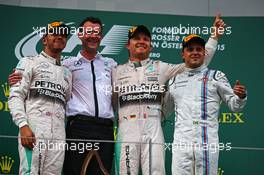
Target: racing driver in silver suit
138	89
37	104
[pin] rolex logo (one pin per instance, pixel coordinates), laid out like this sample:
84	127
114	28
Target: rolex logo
6	89
220	171
4	103
6	164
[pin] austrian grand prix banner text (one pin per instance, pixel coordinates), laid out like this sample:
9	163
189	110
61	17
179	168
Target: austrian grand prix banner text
239	55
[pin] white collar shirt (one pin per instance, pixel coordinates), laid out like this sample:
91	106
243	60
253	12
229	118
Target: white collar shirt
92	88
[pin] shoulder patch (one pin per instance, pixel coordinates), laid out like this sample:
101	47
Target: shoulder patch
218	75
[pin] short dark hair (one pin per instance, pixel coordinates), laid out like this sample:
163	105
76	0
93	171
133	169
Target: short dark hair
92	20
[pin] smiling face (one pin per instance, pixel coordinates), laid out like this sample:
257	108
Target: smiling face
54	42
139	46
193	55
91	36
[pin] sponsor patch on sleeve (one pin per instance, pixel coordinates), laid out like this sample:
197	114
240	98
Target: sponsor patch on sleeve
218	75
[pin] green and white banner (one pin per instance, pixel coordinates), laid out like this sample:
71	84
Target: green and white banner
239	55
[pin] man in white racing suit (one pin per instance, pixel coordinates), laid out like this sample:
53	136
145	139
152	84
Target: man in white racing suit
89	111
37	104
197	94
138	90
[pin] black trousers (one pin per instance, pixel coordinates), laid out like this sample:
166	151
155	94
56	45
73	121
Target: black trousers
91	128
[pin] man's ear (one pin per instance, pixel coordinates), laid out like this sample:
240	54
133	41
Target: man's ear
101	37
80	35
183	56
44	41
151	48
127	44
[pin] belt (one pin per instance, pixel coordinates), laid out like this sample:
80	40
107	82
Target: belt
98	120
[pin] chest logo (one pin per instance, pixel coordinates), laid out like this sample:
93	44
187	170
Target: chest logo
78	63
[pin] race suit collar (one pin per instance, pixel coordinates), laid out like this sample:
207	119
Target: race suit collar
139	63
50	59
81	57
196	70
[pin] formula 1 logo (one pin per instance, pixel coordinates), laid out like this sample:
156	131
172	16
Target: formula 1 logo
113	42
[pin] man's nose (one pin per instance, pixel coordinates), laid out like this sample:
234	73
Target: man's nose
141	40
59	36
94	34
195	51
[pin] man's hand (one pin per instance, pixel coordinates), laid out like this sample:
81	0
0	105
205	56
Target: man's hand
240	90
14	78
27	137
218	27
